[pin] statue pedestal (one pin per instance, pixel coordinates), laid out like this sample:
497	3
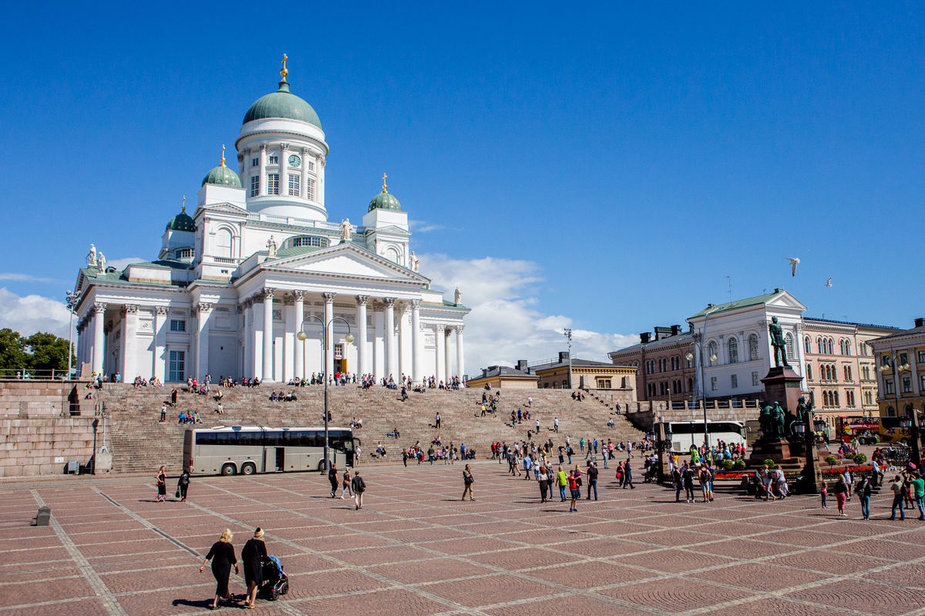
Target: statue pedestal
782	385
777	450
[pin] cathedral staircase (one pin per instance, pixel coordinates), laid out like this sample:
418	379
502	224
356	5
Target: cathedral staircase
140	442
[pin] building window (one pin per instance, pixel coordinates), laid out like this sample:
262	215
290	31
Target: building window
922	382
255	185
847	347
176	368
603	383
273	183
809	372
311	164
274	159
223	243
885	360
712	352
788	342
255	162
903	359
712	383
806	345
733	347
921	357
294	184
690	362
310	189
177	325
754	379
848	374
888	386
907	385
310	240
752	347
868	398
865	372
184	253
734	380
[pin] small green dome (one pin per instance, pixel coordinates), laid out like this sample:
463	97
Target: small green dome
282	104
384	200
223	176
181	222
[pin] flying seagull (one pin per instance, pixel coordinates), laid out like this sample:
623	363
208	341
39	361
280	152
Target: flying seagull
828	282
793	265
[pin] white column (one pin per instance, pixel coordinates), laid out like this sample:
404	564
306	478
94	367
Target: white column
262	184
390	337
416	340
441	354
299	344
378	343
99	338
256	333
328	334
448	356
267	367
303	187
460	362
202	341
129	343
362	353
289	331
160	343
403	366
319	173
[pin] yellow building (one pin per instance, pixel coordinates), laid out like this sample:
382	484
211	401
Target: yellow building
585	374
901	370
503	377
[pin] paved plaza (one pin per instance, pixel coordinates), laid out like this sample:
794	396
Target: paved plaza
415	549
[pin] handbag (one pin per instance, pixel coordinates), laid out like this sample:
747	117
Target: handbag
178	493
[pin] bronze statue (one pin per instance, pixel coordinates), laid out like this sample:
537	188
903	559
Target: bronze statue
779	343
780	427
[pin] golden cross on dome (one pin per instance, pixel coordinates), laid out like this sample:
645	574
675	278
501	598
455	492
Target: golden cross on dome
183	209
284	70
383	182
223	155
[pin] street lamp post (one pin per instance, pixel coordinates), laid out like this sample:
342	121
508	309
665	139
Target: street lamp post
70	300
913	423
568	334
327	373
698	343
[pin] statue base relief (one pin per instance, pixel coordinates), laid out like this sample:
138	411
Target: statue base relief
783	385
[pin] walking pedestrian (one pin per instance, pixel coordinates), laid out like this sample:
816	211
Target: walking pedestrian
841	495
222	556
823	493
468	480
543	480
592	480
562	480
628	475
358	486
899	495
182	485
160	482
252	557
345	484
917	491
332	479
574	491
863	490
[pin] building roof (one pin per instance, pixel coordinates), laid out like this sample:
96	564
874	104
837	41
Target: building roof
503	372
686	336
872	325
182	221
282	104
741	303
385	201
222	176
900	334
576	363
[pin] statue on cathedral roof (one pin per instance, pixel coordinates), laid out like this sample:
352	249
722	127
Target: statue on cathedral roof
271	247
101	262
457	297
91	256
345	229
413	262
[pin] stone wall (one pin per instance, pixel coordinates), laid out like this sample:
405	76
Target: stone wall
43	425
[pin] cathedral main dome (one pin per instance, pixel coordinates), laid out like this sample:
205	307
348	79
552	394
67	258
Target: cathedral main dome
282	104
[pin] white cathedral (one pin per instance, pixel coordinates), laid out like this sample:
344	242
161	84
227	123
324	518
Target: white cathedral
257	279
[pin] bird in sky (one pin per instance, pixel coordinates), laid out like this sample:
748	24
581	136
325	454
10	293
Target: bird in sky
828	282
793	265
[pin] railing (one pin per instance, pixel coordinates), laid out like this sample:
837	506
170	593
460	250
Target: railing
25	374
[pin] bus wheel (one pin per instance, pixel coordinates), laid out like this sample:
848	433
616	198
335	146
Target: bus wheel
228	469
248	469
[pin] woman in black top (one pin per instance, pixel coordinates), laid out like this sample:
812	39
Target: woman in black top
252	557
222	557
161	483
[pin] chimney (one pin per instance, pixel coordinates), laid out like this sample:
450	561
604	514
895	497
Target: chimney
919	322
644	337
675	330
563	357
662	332
522	365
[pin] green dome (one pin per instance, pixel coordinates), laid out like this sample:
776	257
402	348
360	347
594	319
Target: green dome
181	222
223	176
282	104
384	200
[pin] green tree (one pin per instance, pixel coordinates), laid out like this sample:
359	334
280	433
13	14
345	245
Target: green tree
12	351
47	352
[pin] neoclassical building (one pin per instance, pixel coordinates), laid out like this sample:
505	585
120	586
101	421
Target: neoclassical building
258	263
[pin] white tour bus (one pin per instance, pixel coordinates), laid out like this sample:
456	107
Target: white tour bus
230	450
680	435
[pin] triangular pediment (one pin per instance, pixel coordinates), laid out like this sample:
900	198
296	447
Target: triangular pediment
345	260
223	208
785	300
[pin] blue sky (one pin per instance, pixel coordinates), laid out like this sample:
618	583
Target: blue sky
610	165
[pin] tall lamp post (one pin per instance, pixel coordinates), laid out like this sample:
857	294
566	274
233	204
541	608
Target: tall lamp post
568	334
327	373
70	300
698	344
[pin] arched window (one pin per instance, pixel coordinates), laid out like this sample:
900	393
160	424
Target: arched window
753	347
847	347
831	346
820	347
806	345
733	347
223	243
788	340
712	351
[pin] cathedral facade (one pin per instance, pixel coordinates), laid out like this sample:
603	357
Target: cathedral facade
258	280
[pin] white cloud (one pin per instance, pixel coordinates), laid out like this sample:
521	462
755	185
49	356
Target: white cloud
16	277
422	226
32	313
505	324
121	264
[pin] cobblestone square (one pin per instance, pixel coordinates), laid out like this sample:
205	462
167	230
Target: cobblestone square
416	549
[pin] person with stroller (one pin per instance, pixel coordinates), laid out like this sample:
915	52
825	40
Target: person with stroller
222	556
252	557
